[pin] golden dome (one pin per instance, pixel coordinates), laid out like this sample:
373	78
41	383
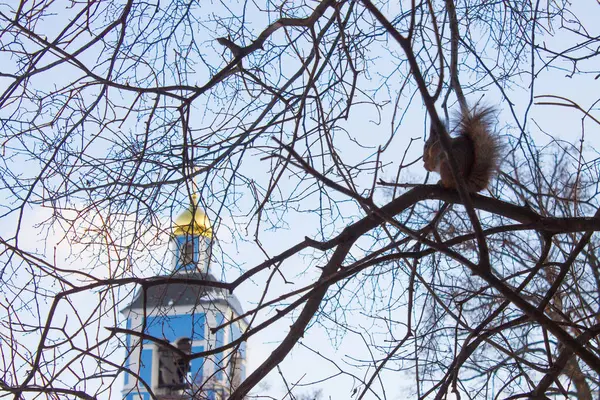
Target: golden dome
192	221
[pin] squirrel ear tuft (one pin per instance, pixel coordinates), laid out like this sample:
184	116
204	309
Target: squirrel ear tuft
433	134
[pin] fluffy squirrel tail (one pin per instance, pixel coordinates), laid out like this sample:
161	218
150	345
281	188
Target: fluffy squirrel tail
477	126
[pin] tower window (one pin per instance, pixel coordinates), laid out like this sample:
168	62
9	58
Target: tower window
187	256
188	252
235	376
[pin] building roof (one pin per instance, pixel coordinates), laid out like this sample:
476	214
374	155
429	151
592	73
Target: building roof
184	294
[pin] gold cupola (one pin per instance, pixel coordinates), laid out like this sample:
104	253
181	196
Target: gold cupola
193	221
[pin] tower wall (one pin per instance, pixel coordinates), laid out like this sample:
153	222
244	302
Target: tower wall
211	377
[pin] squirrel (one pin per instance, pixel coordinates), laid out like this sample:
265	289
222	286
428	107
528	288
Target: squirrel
476	150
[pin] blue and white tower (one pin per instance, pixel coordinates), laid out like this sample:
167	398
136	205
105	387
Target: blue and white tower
179	316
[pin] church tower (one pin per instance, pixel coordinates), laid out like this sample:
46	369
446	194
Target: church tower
177	320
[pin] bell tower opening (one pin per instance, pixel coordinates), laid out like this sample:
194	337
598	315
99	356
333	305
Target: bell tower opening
174	365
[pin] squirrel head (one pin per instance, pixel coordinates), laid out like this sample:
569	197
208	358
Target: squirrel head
432	151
